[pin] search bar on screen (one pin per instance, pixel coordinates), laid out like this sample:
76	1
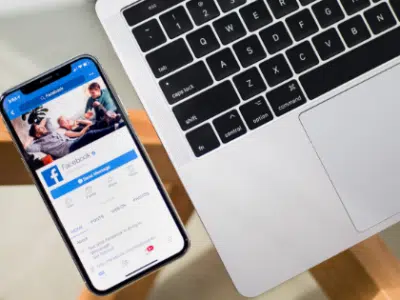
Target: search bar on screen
55	92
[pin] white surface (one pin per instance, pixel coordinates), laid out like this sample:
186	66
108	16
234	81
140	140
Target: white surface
34	263
265	198
48	36
361	158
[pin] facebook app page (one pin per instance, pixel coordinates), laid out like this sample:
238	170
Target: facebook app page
77	142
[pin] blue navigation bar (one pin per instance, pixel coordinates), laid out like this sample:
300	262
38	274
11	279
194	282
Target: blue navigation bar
82	72
94	174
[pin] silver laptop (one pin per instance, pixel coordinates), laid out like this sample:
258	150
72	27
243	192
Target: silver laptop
282	118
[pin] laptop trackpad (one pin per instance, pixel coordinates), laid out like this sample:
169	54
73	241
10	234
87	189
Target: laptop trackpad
357	137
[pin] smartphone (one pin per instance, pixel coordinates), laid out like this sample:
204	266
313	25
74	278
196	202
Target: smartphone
93	174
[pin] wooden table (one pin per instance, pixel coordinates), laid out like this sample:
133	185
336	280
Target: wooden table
367	271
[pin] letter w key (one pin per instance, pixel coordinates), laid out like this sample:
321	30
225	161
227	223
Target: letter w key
229	28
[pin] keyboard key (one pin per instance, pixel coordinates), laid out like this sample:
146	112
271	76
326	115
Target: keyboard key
328	44
302	25
352	64
306	2
206	105
380	18
256	15
223	64
256	113
302	57
354	31
276	70
202	11
165	60
328	12
186	82
276	38
229	28
176	22
249	83
281	8
147	9
227	5
203	41
286	98
229	126
249	51
202	140
149	35
396	7
352	7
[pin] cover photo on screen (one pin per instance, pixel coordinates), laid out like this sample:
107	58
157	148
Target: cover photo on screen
68	123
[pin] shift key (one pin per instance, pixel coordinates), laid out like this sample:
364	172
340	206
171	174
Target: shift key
206	105
186	82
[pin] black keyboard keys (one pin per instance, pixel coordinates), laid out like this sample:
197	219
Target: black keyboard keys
147	9
203	41
249	51
202	139
396	7
202	11
256	113
229	28
380	18
328	44
249	83
281	8
354	6
302	25
223	64
229	126
276	38
169	58
149	35
256	15
328	12
352	64
186	82
206	105
227	5
354	31
176	22
306	2
286	98
276	70
302	57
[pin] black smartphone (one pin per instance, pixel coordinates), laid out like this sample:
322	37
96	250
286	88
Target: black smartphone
93	174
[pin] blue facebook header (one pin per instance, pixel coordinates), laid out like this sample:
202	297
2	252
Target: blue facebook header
82	71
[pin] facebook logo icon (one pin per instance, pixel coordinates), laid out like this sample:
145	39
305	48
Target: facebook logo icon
52	176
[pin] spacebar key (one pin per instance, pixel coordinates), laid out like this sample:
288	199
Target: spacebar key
206	105
352	64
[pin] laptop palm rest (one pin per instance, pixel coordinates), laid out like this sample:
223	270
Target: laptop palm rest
357	138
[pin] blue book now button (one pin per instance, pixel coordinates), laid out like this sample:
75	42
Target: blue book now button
94	174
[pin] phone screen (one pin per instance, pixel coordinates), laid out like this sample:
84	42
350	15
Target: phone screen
90	168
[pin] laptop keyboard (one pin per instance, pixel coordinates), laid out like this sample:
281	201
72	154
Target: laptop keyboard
227	67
